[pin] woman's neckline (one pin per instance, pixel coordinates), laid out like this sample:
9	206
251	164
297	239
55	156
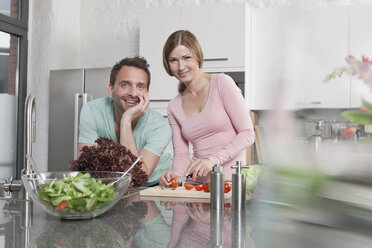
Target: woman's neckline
206	105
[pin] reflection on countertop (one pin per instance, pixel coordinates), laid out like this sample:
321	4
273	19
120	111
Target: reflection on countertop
132	222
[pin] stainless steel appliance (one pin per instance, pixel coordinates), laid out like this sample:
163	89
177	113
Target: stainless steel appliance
69	90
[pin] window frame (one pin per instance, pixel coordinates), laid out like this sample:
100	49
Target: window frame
19	28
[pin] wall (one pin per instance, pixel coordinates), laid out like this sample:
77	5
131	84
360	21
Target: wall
95	33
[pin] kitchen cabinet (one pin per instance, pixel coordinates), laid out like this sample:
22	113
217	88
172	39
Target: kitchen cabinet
223	32
324	46
360	44
155	27
271	71
292	52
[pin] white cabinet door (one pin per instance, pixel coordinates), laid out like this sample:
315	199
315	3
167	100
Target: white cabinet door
324	46
221	31
360	44
292	52
156	26
272	72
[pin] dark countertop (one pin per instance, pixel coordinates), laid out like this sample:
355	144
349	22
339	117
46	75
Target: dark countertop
132	222
135	222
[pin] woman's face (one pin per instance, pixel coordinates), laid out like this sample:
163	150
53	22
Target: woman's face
183	64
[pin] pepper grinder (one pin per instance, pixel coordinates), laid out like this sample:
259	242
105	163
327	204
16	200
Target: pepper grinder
217	193
238	186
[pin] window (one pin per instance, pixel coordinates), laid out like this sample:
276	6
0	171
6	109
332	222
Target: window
13	85
10	8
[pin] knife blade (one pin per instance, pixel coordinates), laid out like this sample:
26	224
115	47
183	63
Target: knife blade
183	179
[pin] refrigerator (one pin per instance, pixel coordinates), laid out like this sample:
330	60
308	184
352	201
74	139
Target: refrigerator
69	91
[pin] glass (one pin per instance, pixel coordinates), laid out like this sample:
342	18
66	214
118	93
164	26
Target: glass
10	8
9	47
46	188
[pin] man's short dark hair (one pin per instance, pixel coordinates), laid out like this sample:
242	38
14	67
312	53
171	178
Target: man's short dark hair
138	62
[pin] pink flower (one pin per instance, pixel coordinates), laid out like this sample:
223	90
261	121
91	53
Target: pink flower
362	69
366	60
366	110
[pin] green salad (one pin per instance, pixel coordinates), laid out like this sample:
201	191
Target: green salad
77	194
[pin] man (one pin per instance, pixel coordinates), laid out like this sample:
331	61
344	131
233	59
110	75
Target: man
126	118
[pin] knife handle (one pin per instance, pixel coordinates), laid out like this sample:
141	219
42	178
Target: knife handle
183	179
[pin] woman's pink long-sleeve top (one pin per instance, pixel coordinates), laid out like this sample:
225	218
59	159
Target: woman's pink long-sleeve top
220	132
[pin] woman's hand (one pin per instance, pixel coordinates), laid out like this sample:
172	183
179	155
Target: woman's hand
199	168
166	178
199	212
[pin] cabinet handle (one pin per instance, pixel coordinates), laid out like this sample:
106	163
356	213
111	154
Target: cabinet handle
307	103
216	59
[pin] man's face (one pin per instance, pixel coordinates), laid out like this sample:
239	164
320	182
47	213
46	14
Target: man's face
130	83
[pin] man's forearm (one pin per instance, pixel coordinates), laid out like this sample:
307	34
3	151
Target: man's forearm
127	140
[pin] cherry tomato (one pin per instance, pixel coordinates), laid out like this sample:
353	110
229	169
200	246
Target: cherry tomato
61	206
189	186
207	187
227	187
199	187
174	183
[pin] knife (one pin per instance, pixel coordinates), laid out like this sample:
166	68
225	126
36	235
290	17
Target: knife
183	179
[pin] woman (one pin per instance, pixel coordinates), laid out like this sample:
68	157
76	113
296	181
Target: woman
209	113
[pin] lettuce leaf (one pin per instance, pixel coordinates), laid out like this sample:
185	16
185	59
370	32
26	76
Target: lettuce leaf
252	175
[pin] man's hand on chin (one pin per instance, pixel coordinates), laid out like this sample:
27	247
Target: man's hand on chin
138	110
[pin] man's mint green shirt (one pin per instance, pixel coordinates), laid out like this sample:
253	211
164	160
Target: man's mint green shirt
152	132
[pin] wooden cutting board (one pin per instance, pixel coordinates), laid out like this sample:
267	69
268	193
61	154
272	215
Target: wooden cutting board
179	192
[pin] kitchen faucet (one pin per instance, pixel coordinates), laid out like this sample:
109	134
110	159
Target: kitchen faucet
30	130
14	188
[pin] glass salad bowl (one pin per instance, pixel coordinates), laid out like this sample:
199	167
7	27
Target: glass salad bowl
74	194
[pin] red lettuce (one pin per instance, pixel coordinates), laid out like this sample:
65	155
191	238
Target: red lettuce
110	156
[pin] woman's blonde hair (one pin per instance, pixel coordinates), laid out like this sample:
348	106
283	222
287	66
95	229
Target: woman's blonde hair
187	39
